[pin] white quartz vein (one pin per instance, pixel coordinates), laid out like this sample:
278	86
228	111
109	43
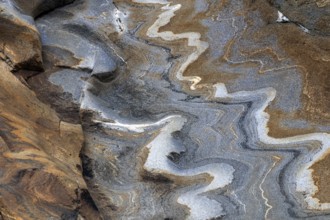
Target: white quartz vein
193	41
221	174
304	180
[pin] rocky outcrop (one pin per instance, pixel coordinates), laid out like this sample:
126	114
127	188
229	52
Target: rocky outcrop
20	45
156	109
41	172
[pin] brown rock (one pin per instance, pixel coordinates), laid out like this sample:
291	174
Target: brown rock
40	170
20	44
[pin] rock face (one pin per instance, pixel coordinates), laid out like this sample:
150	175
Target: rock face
34	8
40	165
151	109
20	45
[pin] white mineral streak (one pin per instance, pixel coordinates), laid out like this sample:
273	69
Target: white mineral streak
200	206
163	144
120	19
281	18
139	127
157	162
193	41
304	179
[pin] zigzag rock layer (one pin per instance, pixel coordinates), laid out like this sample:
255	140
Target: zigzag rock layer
157	109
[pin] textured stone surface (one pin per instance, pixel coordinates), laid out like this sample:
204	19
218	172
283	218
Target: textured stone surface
40	165
36	7
189	109
20	45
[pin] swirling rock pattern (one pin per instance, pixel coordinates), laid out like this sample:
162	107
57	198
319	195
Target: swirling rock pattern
189	110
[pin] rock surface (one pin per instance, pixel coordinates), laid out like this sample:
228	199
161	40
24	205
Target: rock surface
187	110
34	8
20	45
40	165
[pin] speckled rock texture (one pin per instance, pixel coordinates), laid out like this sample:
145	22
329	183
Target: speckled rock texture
156	109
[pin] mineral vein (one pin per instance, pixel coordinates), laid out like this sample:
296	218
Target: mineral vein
304	180
221	174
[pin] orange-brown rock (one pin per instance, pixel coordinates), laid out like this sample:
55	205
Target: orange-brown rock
321	175
20	45
39	158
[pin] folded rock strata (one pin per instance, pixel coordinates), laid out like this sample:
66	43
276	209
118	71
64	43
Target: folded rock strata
152	109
